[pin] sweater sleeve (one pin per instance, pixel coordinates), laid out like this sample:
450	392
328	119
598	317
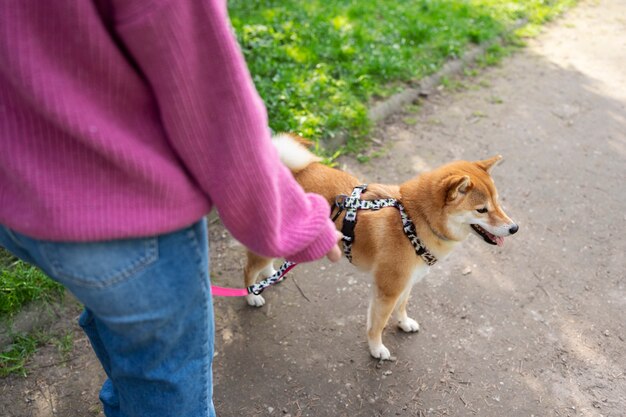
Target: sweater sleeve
217	124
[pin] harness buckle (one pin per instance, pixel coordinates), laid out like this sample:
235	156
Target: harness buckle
340	200
256	291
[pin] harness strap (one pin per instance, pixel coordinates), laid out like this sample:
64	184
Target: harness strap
353	203
411	233
277	277
257	288
350	204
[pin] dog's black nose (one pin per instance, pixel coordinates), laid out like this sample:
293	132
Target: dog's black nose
513	229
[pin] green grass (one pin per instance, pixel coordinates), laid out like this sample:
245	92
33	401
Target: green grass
64	344
21	283
13	358
319	64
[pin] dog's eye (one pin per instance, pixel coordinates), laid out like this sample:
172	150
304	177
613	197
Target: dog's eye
482	210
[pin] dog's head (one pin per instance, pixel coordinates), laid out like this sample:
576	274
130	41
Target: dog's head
471	202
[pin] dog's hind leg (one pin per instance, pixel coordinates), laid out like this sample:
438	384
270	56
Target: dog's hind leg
381	307
256	266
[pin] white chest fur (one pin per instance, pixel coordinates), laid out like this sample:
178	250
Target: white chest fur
419	273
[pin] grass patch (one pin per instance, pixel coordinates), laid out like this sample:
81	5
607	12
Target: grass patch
64	344
410	121
370	154
21	283
13	357
319	64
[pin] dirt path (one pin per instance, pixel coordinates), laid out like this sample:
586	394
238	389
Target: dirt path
536	328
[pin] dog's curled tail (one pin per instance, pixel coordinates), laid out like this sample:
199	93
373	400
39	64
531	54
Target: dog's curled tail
293	151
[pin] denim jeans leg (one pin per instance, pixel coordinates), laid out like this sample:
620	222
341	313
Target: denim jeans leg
108	393
87	323
152	317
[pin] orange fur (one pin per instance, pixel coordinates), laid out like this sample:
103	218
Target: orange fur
442	204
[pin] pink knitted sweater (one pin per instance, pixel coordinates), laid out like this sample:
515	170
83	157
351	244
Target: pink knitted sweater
129	118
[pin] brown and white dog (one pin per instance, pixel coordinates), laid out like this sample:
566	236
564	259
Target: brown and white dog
446	205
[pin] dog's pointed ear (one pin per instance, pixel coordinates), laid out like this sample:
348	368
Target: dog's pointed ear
488	164
458	185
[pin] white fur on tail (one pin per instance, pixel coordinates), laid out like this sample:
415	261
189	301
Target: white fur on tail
293	154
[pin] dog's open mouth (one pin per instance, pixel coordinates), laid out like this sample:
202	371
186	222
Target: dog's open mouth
488	237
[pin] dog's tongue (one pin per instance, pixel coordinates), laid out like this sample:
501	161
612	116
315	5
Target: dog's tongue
499	240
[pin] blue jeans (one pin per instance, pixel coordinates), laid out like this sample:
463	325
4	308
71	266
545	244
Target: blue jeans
148	314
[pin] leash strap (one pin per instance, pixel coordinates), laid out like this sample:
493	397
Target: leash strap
218	291
353	203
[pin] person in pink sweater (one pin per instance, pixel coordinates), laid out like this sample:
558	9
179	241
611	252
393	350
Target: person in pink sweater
122	123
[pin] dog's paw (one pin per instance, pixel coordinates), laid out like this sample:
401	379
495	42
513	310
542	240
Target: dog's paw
255	300
409	325
380	352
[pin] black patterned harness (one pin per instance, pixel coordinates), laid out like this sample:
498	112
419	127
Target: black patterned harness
275	278
351	204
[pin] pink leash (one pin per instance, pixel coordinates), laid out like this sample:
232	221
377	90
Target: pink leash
228	292
257	288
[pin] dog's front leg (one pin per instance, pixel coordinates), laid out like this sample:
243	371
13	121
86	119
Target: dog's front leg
406	323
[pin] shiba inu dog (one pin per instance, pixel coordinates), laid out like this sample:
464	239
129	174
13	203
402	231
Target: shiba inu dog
446	205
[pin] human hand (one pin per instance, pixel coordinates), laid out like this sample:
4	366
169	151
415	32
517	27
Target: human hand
334	255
